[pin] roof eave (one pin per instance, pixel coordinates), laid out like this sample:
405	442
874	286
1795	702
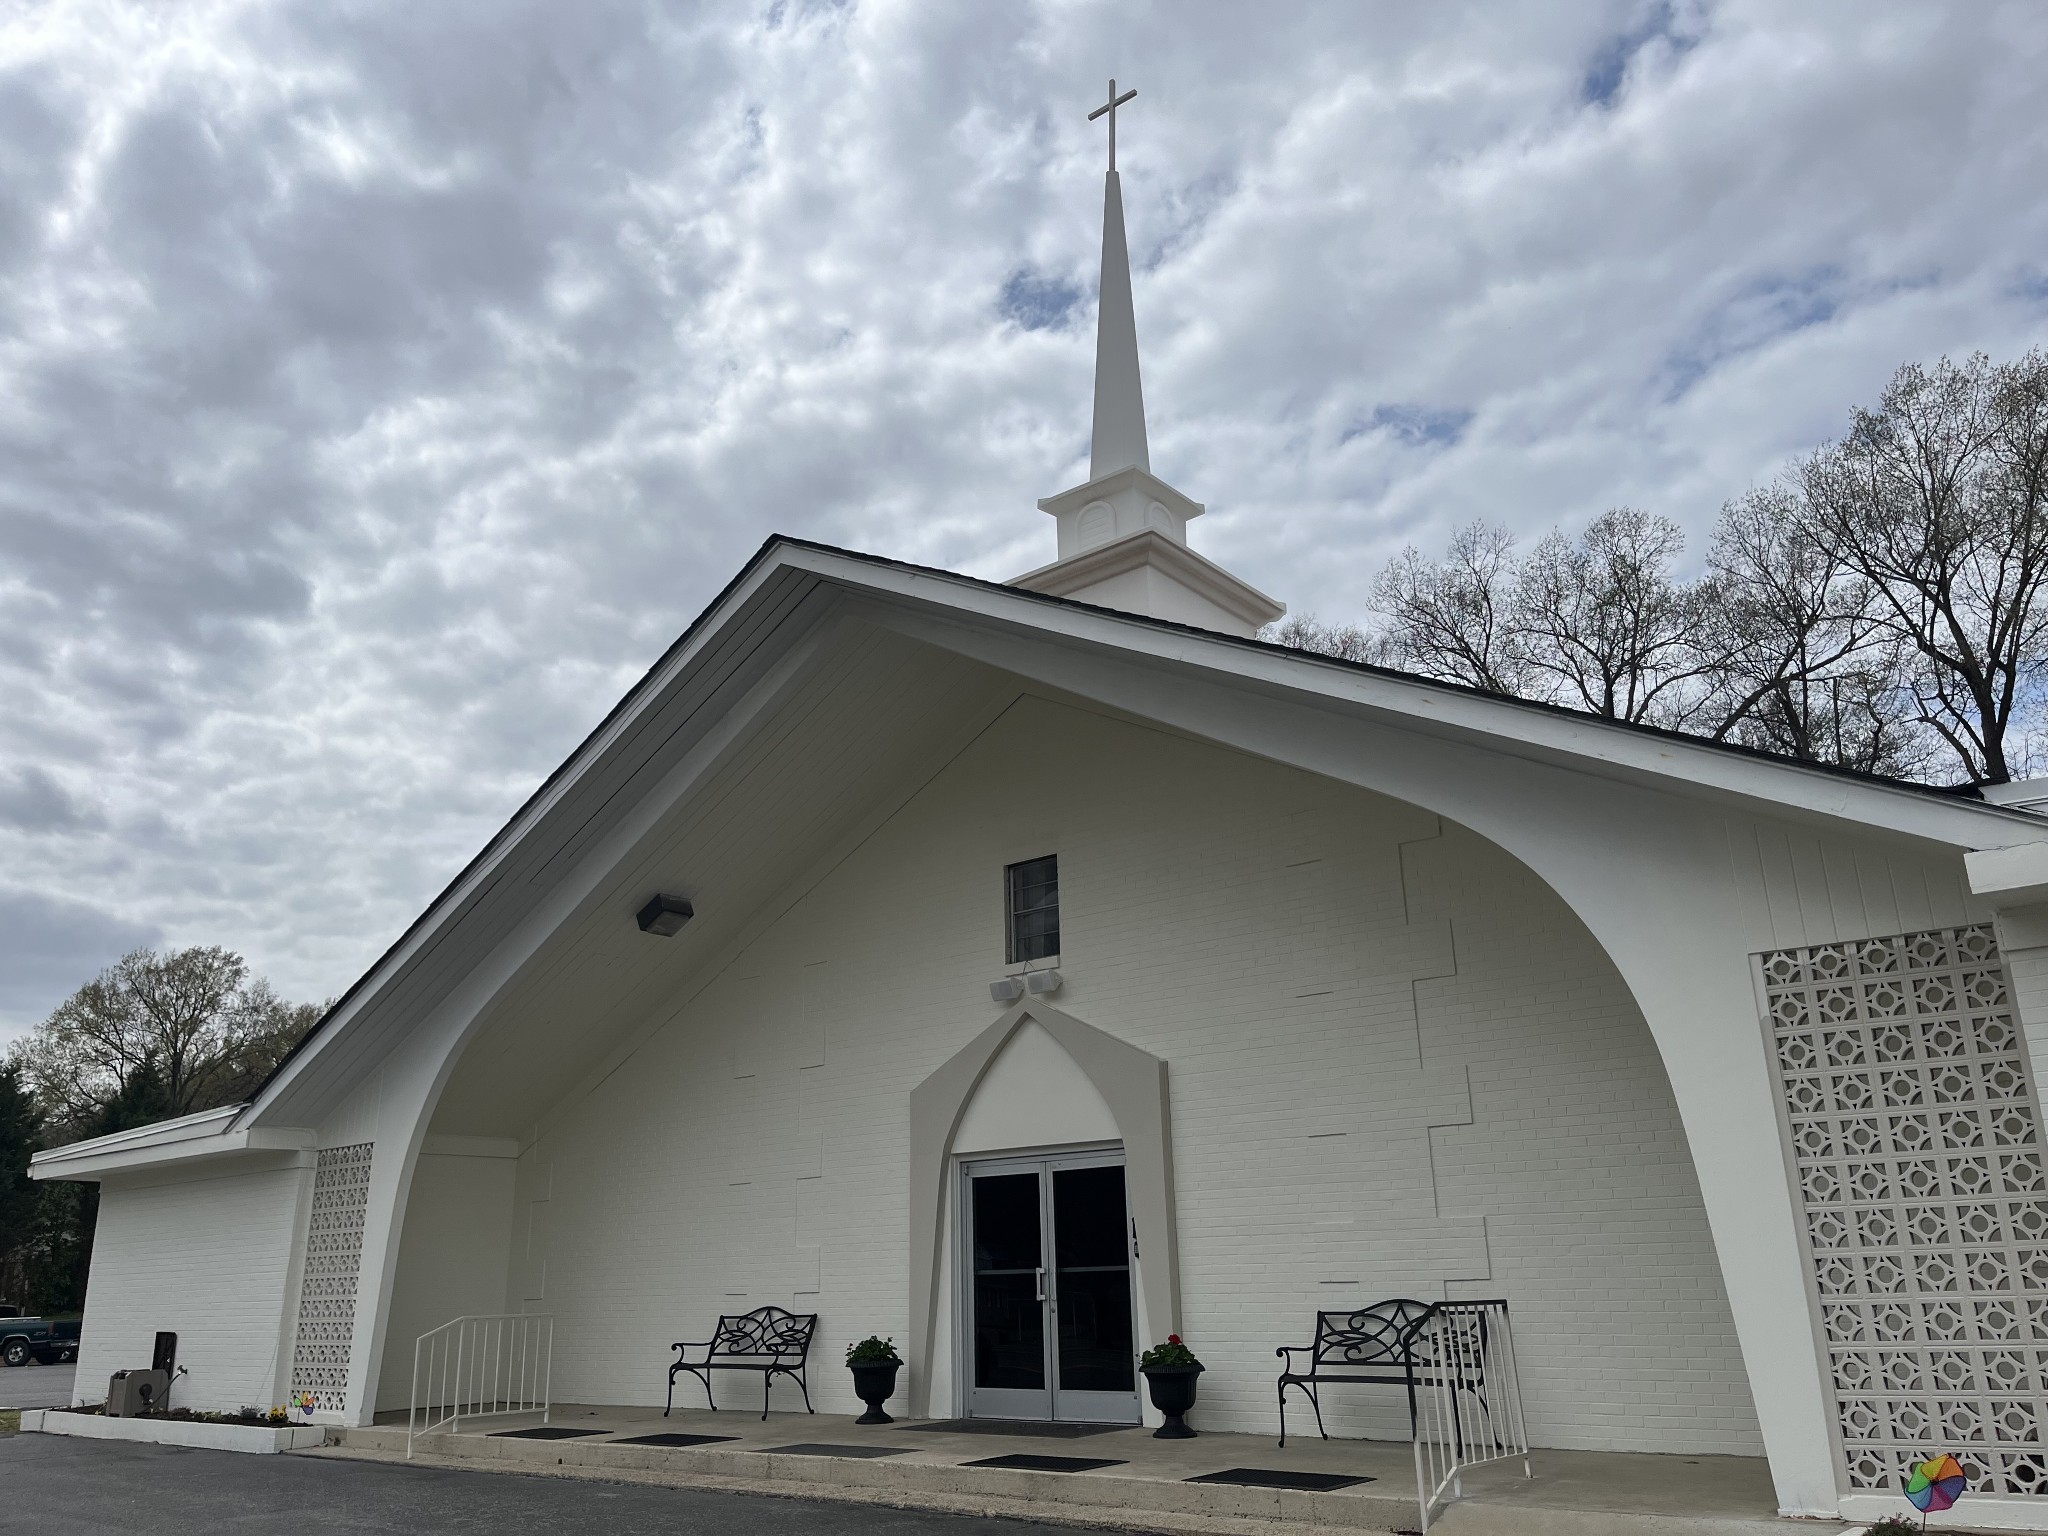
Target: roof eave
209	1135
1512	724
1507	724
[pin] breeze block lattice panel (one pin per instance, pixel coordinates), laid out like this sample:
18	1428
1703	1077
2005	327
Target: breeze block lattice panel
334	1252
1916	1136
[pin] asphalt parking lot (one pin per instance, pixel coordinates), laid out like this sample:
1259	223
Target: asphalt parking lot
37	1386
62	1487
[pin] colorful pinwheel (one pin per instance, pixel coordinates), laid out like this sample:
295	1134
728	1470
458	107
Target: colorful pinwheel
1936	1484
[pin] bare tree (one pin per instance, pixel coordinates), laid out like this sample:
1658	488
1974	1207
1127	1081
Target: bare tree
1454	620
191	1020
1936	499
1882	607
1305	632
1799	662
1602	625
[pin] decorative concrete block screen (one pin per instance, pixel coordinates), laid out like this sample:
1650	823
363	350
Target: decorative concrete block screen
334	1251
1916	1137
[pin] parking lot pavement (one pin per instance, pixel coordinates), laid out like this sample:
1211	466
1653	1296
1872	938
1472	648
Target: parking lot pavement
61	1487
37	1386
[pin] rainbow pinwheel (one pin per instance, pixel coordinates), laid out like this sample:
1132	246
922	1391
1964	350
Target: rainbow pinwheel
1936	1484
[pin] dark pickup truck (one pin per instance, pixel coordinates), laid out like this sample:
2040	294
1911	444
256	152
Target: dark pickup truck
35	1338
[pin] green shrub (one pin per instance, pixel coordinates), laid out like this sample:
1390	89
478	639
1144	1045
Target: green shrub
873	1351
1172	1352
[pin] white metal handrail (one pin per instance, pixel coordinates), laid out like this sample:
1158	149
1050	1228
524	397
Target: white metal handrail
1469	1398
479	1367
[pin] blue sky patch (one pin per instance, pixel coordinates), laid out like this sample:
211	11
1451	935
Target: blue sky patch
1416	426
1038	301
1607	73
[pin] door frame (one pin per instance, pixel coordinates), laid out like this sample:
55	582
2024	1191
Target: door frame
1044	1160
1132	1082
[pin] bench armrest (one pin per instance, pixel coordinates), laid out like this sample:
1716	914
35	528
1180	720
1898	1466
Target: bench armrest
692	1344
1285	1350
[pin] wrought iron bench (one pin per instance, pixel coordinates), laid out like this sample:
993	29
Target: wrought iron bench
767	1339
1375	1346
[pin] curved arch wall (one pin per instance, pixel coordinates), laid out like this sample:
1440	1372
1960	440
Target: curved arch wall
1397	1063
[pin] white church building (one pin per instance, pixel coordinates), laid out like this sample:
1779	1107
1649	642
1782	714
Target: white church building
1058	939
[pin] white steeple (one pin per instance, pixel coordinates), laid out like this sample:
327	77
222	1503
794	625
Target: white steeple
1119	392
1123	536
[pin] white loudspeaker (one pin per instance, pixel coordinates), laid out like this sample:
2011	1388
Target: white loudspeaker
1043	983
1008	990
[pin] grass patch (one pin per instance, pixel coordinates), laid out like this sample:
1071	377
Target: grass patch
10	1421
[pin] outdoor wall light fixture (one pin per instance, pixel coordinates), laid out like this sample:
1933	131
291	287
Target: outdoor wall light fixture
1008	990
665	915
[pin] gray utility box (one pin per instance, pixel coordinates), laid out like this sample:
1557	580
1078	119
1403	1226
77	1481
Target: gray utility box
131	1394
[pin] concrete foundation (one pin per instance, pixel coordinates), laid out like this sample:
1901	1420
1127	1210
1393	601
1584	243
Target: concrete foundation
1585	1493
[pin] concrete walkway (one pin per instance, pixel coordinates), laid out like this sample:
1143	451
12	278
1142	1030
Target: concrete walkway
1145	1486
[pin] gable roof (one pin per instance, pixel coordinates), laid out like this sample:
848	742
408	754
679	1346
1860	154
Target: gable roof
767	612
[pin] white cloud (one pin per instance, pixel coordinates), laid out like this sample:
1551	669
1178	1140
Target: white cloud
381	388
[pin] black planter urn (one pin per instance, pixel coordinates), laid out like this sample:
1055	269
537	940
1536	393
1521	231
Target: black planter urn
1173	1394
874	1383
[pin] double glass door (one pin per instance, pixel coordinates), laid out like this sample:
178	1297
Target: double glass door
1048	1290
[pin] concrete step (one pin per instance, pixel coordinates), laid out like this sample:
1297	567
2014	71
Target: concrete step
1110	1498
1099	1497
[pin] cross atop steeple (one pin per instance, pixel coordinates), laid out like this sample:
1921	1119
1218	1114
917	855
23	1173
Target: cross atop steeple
1123	533
1110	107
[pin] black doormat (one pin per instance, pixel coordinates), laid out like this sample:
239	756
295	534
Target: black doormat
545	1432
674	1439
1028	1463
1273	1477
808	1449
1037	1428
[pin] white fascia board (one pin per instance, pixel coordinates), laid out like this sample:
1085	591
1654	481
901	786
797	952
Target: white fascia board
209	1134
2011	877
1508	725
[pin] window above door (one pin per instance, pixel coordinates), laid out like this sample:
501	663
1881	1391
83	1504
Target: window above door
1032	909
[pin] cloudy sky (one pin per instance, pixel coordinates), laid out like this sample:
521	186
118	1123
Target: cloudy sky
383	385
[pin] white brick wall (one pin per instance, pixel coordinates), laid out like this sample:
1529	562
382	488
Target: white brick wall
207	1258
1399	1066
452	1261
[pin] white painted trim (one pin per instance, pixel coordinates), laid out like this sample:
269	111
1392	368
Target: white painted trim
191	1139
1076	497
2012	876
1076	575
1134	1085
470	1146
259	1439
1988	1512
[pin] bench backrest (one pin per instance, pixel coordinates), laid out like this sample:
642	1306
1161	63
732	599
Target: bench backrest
1379	1335
765	1331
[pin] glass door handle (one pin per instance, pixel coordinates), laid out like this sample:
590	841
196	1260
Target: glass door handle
1041	1282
